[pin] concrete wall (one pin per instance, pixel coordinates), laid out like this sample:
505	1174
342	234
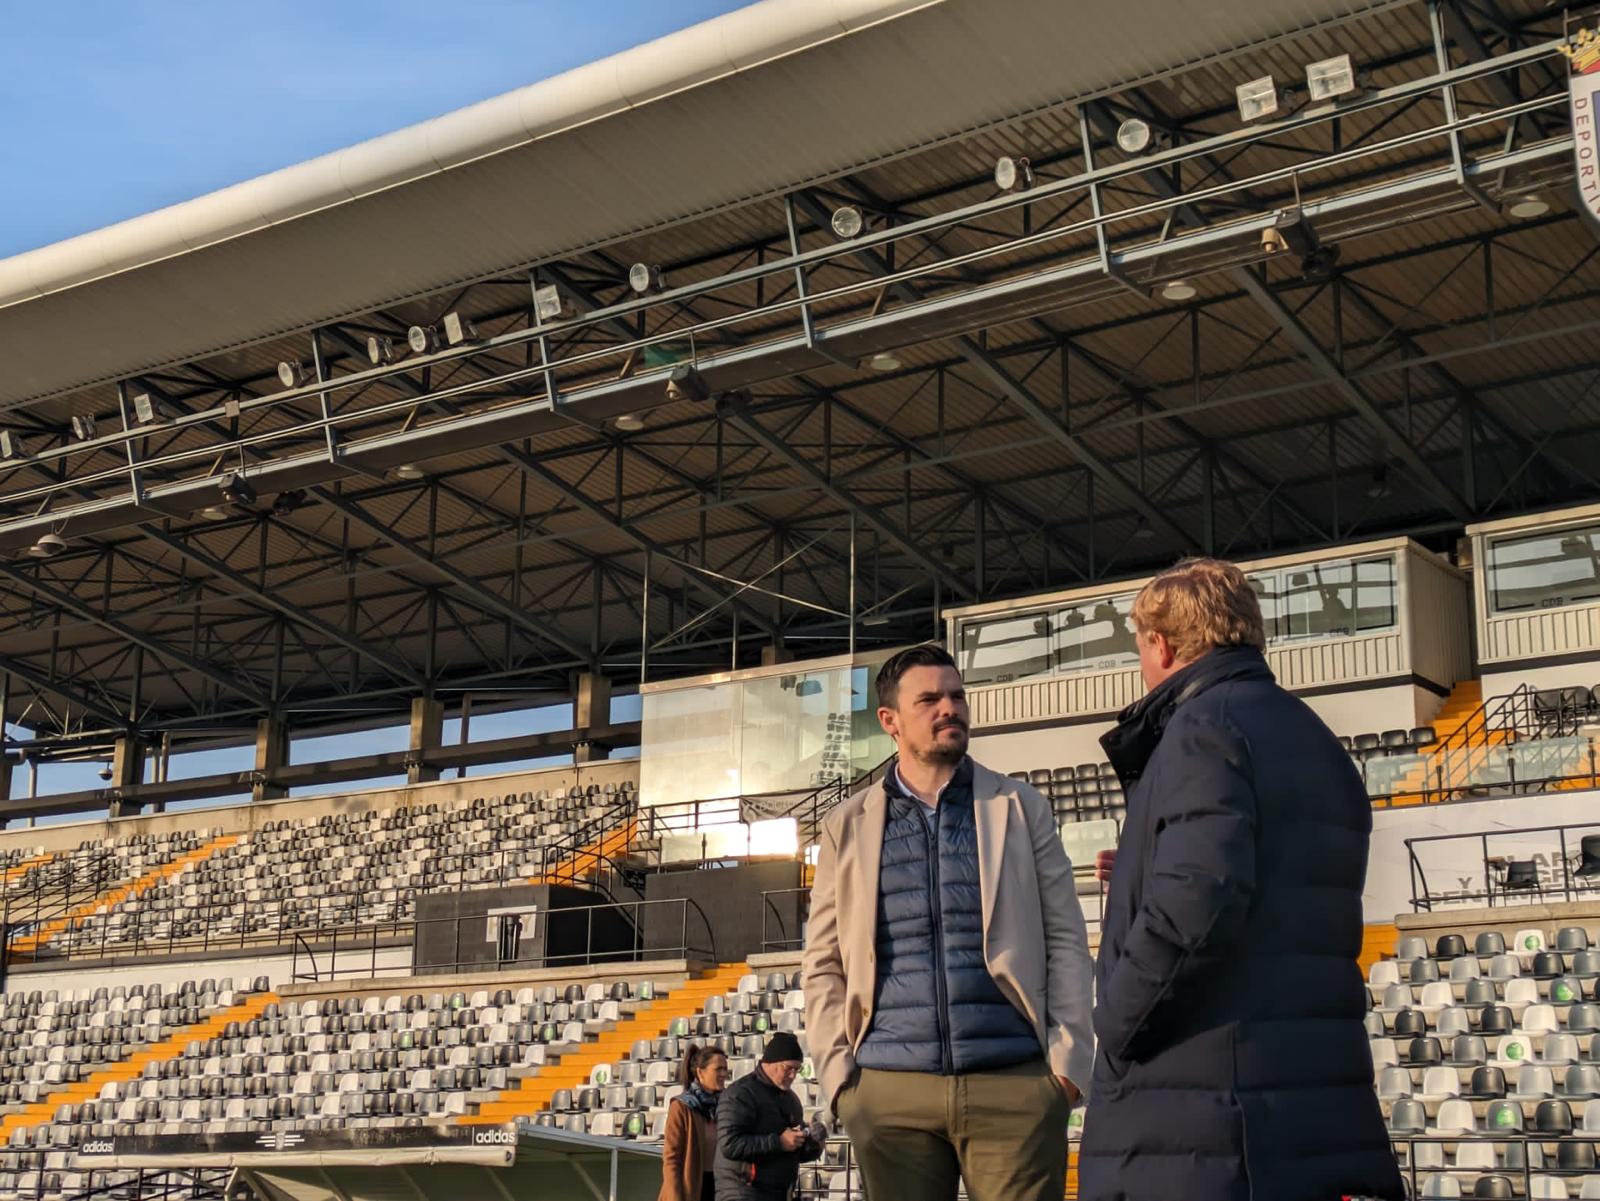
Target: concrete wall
230	819
1502	682
279	969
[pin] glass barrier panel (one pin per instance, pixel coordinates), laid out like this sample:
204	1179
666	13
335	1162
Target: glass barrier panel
1546	570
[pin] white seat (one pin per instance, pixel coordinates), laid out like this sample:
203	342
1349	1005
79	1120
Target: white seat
1435	997
1522	991
1547	1188
1475	1157
1455	1117
1383	973
1540	1019
1526	944
1439	1186
1439	1084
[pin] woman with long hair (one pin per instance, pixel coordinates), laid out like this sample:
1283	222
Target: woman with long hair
689	1147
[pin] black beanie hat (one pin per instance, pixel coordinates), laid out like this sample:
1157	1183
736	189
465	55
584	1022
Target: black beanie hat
782	1047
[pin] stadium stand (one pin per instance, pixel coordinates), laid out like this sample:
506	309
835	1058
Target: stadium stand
347	869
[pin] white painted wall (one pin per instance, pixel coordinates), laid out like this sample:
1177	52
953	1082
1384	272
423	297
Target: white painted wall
1057	746
279	969
1562	675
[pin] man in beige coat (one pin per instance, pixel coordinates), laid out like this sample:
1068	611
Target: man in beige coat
946	972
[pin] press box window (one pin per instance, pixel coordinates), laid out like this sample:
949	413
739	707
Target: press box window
1547	570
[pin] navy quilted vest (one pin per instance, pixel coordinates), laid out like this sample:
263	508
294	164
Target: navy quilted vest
936	1008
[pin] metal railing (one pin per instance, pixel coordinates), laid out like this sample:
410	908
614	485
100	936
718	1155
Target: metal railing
1568	878
1521	1175
112	1184
625	937
770	913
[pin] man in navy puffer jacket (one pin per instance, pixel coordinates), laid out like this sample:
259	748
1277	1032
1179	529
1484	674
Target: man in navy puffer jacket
946	971
1233	1063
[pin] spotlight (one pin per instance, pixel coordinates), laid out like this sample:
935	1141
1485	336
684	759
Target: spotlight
422	338
1178	289
1142	531
643	277
11	446
235	489
1525	208
83	427
406	471
288	501
216	513
630	423
1378	485
1329	78
1013	174
685	383
380	350
874	620
457	329
1272	241
1257	99
147	410
1133	135
48	546
291	375
884	360
548	303
105	771
847	222
1319	261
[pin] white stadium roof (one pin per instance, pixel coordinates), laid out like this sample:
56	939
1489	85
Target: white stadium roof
764	99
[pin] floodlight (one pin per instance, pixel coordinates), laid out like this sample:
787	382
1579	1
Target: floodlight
884	360
1013	174
548	302
83	427
48	546
406	471
11	445
847	222
457	329
147	410
874	620
1319	261
1142	531
1257	99
1329	78
216	513
685	383
644	277
291	375
380	350
236	489
630	423
422	338
288	501
1178	289
1525	208
1133	135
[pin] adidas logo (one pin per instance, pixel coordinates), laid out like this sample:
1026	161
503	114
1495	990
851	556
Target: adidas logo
99	1147
484	1137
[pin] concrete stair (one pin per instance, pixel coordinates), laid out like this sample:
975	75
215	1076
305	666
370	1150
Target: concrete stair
27	944
588	861
132	1067
652	1020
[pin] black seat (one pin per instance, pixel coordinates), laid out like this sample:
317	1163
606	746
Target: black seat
1395	742
1423	736
1493	1188
1450	946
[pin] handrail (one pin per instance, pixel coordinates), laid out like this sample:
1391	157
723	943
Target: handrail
1567	886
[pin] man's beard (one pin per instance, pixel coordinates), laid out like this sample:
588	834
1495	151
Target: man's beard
945	753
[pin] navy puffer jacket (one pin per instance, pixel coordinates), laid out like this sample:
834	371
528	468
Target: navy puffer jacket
1232	1064
936	1008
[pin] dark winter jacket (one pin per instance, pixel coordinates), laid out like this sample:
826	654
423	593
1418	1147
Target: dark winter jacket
751	1166
1232	1064
936	1008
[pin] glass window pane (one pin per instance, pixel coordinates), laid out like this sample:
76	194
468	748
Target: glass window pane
796	730
1000	649
1545	570
1095	635
1268	587
1375	595
1318	599
691	742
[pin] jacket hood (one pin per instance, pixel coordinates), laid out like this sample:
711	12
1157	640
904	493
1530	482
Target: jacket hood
1130	743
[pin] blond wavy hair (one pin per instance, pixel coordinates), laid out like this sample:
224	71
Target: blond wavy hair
1200	604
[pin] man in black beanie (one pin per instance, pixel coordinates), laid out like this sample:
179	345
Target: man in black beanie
761	1134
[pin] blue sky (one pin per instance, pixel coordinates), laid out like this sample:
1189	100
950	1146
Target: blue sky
120	108
116	109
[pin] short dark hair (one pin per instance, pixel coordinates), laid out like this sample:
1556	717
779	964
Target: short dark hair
929	654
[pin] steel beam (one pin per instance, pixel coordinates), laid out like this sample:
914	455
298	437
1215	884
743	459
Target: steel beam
113	709
228	681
